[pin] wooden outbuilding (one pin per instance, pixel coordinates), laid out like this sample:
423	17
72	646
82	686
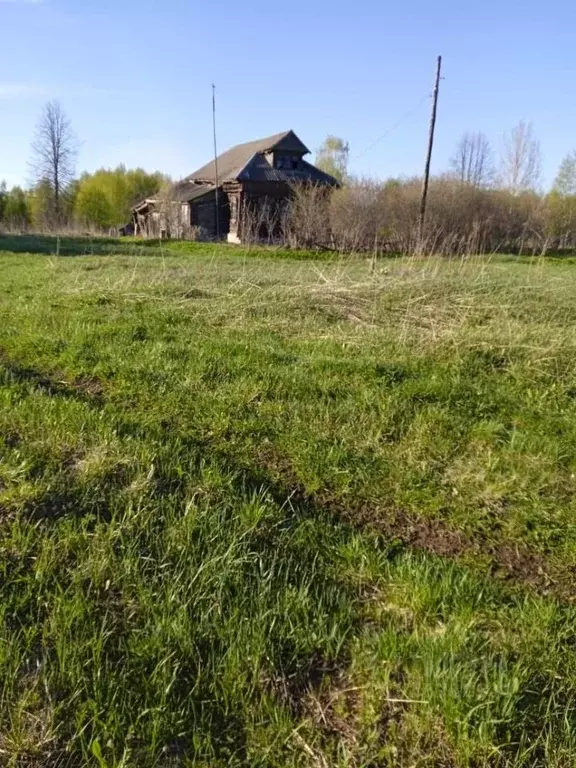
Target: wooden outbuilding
246	181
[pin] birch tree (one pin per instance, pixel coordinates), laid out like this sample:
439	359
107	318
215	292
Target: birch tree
521	160
565	181
332	157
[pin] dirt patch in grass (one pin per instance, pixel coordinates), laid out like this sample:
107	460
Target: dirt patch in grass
91	386
506	561
294	687
337	709
85	388
351	718
12	438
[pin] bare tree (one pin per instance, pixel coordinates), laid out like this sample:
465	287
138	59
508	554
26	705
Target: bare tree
473	161
54	152
521	161
307	219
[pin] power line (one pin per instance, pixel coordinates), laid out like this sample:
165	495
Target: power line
394	127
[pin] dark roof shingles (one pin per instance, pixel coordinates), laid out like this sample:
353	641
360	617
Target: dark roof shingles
231	162
186	191
259	169
247	162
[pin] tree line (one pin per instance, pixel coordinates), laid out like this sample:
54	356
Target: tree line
484	199
473	162
57	198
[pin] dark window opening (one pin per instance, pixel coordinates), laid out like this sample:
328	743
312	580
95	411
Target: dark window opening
287	162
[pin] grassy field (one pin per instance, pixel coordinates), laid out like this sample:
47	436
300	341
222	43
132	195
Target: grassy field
271	512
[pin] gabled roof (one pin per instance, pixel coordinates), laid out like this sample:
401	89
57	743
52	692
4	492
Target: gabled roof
248	162
232	163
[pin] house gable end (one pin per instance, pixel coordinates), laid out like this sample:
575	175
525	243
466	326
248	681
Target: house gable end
290	144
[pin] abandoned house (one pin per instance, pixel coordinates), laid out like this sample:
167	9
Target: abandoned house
217	199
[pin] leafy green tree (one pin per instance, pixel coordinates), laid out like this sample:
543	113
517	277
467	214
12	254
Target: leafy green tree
17	208
142	184
42	205
332	157
104	198
560	207
93	206
69	200
3	196
565	182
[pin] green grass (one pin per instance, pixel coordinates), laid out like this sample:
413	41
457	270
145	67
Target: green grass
262	511
80	245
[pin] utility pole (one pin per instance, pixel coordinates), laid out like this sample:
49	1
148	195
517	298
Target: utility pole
216	162
429	154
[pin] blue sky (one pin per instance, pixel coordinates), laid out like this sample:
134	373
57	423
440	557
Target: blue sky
134	77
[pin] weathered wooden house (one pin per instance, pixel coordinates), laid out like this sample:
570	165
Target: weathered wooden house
248	178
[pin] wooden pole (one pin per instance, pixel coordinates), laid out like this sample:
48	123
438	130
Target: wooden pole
429	153
216	162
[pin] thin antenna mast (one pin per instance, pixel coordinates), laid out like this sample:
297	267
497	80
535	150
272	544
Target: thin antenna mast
216	162
429	154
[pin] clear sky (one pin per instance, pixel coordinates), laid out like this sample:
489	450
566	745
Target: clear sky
134	76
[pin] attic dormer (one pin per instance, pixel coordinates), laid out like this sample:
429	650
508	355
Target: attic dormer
287	153
285	161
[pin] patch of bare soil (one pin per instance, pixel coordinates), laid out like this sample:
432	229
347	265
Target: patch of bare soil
510	562
91	386
295	687
85	388
373	733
